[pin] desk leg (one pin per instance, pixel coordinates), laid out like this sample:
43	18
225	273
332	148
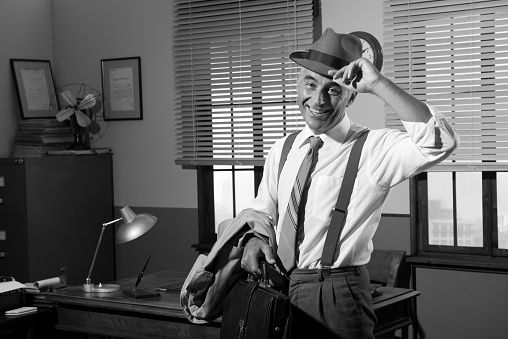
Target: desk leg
414	312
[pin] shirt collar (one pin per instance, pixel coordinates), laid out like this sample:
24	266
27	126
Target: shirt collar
333	138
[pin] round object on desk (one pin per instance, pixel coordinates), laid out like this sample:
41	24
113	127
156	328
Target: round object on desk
106	288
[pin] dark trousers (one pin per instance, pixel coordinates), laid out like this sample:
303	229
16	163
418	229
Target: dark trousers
338	305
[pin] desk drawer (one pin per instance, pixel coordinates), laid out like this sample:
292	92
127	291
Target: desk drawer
13	244
12	190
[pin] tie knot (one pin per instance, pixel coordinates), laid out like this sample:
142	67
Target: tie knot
315	143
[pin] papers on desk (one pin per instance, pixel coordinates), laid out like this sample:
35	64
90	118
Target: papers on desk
21	310
10	294
8	287
81	151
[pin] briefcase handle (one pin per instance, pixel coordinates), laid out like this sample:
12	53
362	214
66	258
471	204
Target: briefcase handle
264	280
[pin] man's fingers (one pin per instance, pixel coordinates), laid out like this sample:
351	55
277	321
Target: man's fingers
343	76
250	263
253	251
267	251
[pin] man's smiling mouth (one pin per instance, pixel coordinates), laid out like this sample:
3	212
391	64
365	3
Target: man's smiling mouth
317	111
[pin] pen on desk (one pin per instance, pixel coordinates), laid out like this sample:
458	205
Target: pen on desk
140	275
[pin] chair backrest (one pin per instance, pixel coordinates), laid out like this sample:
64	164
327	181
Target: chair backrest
384	266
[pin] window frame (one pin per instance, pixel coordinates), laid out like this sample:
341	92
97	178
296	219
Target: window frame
488	257
206	203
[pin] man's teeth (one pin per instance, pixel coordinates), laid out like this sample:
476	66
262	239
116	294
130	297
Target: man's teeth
316	111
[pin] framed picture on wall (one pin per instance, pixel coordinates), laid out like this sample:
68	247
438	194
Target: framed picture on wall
35	88
121	88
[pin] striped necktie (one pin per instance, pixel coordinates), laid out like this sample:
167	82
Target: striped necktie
292	218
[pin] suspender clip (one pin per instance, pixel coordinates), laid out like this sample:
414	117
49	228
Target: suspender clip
335	209
323	272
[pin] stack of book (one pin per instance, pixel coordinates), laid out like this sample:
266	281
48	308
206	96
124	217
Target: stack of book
36	137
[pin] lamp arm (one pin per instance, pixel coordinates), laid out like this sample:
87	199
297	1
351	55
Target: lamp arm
88	281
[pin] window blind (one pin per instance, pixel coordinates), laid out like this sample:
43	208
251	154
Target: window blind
235	83
453	54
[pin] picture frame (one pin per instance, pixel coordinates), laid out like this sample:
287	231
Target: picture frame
35	88
121	88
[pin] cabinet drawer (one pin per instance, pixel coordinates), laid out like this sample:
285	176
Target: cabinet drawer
13	244
12	190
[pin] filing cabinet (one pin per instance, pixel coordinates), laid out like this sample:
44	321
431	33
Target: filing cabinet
51	214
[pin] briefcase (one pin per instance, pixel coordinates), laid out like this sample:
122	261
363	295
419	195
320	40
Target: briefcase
254	310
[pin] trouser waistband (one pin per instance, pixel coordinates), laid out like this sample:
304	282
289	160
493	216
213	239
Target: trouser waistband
321	273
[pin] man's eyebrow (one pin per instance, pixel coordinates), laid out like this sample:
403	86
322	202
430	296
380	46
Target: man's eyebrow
331	84
309	77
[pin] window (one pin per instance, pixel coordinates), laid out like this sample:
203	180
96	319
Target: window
237	93
233	190
462	213
452	54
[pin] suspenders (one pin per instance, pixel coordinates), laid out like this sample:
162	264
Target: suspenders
340	209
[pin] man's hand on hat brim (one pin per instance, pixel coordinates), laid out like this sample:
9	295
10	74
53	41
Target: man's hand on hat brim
360	76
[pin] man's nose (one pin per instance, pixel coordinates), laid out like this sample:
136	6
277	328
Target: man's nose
319	98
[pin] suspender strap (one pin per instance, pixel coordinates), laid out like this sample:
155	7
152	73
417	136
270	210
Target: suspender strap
340	210
285	150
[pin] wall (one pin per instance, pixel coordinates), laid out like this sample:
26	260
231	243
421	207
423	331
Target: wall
75	35
83	32
25	33
145	176
144	30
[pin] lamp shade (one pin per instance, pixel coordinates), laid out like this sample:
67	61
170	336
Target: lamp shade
134	225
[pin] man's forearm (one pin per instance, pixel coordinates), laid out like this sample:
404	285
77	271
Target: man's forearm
406	106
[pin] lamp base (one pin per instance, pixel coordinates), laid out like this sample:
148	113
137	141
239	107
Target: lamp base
106	288
101	288
140	293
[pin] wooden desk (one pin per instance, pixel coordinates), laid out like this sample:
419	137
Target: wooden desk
115	315
393	310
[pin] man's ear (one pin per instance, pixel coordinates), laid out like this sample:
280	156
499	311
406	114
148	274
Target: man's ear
351	99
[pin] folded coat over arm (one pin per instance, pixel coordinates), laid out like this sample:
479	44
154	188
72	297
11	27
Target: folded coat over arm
203	292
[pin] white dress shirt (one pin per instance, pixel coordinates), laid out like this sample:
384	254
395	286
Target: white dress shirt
388	158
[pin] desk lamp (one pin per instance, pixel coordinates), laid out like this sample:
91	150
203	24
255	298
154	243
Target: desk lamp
133	226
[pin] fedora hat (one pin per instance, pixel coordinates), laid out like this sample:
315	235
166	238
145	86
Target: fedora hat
331	51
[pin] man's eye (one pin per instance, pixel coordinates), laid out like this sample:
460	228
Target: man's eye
310	84
334	91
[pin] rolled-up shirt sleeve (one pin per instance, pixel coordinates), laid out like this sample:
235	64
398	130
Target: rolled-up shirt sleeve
395	156
436	138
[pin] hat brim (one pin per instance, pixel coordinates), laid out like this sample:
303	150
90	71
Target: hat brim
319	65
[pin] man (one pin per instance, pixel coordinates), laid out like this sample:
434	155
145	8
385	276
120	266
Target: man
338	304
